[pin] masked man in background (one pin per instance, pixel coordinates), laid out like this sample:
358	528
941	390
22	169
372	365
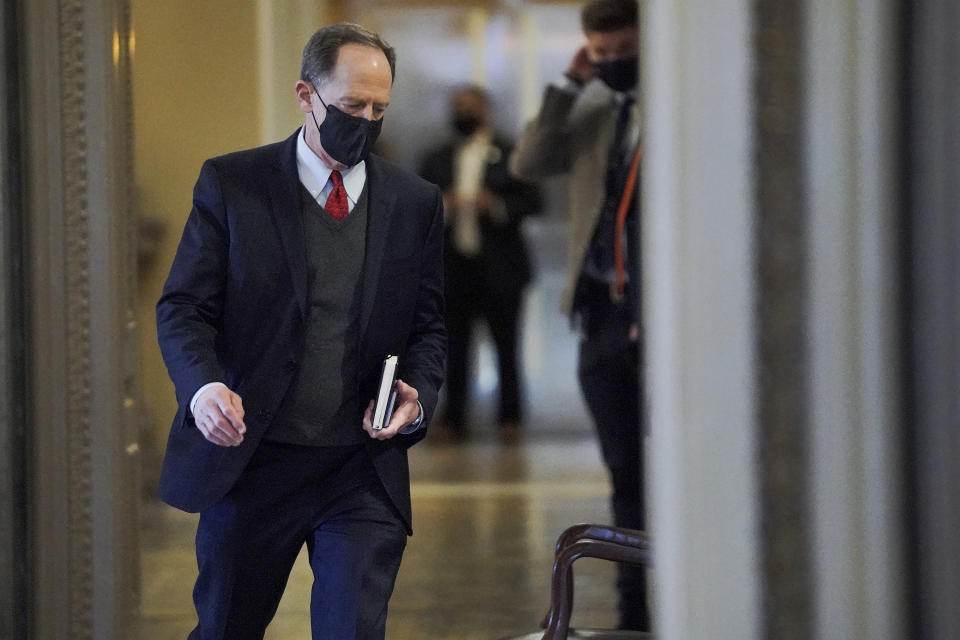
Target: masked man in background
486	263
589	128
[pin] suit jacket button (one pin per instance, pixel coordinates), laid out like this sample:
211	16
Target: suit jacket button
291	365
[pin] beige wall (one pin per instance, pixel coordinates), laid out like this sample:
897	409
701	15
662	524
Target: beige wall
195	95
208	78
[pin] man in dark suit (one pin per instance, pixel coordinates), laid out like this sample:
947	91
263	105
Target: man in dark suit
486	264
302	265
589	129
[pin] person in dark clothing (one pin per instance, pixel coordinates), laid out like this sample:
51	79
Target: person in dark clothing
302	265
589	128
486	263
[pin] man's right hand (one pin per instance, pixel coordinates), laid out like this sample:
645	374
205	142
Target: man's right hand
581	69
219	416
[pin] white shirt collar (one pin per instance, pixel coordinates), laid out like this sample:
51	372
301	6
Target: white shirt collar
314	174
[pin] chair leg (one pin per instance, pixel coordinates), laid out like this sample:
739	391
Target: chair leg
628	537
569	535
561	591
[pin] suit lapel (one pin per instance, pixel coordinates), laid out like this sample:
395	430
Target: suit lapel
285	209
382	204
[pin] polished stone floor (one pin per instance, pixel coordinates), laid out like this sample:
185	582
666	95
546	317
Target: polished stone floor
478	565
486	515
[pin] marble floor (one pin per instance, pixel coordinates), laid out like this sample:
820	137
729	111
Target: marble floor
478	565
486	515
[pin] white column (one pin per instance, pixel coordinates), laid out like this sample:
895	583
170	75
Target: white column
856	473
697	246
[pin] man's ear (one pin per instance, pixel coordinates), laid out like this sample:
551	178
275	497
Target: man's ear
305	95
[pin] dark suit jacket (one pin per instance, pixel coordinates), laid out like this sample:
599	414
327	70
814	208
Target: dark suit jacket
234	307
506	262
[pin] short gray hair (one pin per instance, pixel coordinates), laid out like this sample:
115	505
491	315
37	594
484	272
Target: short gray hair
322	50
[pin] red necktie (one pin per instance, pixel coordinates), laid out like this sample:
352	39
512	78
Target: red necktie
337	205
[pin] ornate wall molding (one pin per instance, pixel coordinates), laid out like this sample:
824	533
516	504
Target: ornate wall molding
76	235
83	491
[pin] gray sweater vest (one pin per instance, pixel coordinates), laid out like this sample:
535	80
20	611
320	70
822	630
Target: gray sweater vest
323	406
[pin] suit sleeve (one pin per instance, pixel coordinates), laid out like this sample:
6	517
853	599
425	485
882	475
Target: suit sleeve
190	308
543	149
427	346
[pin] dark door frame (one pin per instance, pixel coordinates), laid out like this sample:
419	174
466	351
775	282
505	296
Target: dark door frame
930	242
13	538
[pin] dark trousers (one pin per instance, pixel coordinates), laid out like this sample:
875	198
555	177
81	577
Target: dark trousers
609	373
470	298
328	498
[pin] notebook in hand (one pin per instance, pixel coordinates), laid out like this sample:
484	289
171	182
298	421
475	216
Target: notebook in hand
386	394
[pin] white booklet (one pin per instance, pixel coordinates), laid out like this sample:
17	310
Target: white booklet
386	394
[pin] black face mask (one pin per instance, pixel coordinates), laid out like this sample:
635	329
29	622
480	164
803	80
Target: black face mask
466	125
347	139
619	75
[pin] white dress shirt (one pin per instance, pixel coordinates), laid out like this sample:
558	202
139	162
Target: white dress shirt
469	170
315	175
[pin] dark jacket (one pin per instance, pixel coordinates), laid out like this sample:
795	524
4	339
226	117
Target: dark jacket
233	308
506	261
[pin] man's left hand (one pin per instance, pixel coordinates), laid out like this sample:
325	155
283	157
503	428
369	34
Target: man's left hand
405	413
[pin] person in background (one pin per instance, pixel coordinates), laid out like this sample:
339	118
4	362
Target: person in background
486	263
303	264
589	128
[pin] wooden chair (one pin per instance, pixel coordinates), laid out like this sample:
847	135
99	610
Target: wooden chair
591	541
